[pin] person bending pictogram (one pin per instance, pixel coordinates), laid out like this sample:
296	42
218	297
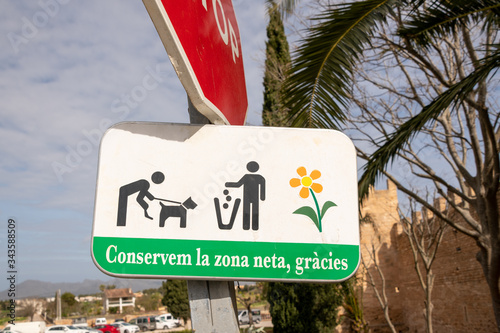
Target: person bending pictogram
254	190
140	187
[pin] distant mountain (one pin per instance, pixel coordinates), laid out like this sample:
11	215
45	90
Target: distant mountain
35	288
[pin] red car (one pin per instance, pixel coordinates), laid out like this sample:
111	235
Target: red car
107	329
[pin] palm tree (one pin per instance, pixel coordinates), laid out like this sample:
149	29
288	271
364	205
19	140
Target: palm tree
318	92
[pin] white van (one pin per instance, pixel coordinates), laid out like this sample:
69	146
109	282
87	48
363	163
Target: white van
101	321
29	327
243	317
167	321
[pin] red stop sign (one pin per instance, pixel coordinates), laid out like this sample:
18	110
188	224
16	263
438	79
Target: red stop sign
203	42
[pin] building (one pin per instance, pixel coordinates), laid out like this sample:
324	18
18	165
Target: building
460	295
118	298
82	299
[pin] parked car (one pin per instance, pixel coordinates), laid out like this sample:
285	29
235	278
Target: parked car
107	329
168	321
80	322
147	323
65	329
243	317
90	329
119	320
126	327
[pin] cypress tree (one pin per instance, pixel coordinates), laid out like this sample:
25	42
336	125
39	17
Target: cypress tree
276	66
176	298
305	307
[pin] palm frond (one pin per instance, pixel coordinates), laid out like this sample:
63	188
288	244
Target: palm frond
442	17
395	142
319	82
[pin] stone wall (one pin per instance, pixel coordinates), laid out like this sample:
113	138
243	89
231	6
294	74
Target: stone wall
460	296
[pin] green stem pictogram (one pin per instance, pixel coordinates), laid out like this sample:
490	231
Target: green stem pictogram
317	209
315	216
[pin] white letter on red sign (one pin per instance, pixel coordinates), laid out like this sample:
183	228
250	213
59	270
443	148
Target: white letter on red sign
224	33
234	42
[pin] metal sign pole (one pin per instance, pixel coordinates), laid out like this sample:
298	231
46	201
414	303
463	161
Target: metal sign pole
213	303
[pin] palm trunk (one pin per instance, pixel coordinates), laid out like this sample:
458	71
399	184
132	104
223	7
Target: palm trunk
489	255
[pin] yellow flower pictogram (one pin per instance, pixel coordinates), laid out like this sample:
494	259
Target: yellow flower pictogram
310	186
307	182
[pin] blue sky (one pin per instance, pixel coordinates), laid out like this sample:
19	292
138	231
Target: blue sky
68	70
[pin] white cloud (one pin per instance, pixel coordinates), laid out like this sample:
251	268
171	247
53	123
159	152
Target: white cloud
67	70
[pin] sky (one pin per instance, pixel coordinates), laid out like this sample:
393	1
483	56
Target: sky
69	70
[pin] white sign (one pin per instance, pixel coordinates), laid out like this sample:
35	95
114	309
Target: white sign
226	202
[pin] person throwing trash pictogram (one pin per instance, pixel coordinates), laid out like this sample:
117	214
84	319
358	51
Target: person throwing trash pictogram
141	187
254	190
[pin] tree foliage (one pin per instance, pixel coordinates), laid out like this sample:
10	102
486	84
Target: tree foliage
103	287
276	65
318	87
68	299
150	300
304	307
353	313
176	298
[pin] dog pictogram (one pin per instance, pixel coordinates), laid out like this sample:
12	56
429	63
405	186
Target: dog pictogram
179	211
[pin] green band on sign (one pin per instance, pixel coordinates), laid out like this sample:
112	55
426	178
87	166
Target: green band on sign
225	259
